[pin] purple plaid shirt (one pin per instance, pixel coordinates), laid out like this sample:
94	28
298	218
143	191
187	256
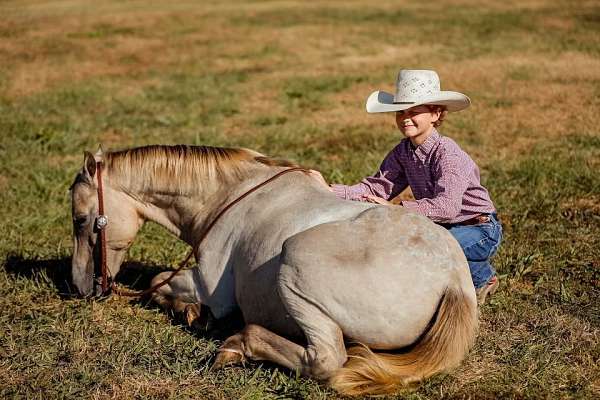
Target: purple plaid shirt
443	178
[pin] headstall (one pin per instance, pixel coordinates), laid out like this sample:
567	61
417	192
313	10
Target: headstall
102	222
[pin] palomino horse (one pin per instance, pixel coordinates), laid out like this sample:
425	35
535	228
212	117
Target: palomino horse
308	271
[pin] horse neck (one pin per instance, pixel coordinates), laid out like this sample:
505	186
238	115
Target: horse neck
203	214
186	213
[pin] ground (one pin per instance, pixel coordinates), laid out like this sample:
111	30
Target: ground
290	79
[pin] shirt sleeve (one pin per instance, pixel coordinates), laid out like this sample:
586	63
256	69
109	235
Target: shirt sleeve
451	183
386	183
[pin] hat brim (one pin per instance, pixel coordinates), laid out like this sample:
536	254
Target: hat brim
380	101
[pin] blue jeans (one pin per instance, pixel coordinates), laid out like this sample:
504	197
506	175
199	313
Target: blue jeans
479	243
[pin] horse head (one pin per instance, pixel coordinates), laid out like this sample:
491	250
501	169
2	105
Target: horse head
122	227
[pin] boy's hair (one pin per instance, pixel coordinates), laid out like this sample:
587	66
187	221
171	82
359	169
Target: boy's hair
443	112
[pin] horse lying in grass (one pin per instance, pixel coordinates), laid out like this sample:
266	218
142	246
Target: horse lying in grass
308	271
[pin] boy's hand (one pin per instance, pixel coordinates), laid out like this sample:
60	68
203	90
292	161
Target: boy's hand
377	200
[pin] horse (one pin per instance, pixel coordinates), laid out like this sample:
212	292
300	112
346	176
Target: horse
310	273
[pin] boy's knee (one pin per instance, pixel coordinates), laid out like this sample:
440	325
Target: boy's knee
479	246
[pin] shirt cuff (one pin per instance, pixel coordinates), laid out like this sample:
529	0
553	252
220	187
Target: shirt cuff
340	191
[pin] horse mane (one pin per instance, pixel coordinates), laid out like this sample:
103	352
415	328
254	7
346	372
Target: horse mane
181	169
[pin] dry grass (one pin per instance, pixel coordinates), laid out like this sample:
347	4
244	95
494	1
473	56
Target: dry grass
290	78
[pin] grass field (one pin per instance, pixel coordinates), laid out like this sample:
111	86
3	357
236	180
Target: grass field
290	78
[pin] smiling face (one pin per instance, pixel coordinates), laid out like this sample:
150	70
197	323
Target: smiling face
416	123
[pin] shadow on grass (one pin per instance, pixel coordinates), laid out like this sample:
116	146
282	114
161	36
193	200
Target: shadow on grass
57	272
54	271
134	275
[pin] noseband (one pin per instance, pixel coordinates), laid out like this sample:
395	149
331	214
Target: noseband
102	223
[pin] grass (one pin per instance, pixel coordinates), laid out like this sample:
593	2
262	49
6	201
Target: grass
290	79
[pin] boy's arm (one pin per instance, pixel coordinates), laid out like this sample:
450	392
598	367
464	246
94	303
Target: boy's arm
451	183
386	183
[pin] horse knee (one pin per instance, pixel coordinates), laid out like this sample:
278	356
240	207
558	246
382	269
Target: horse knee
251	339
173	297
177	293
322	363
164	289
163	296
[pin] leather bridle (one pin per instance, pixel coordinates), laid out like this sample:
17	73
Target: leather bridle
102	223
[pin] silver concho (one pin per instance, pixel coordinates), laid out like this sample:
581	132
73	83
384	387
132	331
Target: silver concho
101	221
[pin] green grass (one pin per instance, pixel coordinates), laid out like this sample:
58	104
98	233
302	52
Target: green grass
290	80
308	93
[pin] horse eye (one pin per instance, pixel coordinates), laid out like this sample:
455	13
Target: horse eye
80	220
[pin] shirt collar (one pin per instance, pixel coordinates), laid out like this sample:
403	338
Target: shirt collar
425	148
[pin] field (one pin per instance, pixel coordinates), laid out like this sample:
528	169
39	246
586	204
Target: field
289	79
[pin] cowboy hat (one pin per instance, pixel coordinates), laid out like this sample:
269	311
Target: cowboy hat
415	87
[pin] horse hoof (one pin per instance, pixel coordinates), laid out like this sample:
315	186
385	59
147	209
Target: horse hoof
227	357
192	313
200	320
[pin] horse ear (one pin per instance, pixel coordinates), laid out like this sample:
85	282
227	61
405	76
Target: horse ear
89	165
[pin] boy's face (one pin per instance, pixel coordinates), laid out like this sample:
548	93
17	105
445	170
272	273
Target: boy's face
416	123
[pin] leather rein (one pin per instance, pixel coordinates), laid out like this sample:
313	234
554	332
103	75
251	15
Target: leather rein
102	223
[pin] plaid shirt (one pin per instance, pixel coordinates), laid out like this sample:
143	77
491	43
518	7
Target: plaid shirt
443	178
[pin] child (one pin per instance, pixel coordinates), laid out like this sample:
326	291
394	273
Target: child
443	178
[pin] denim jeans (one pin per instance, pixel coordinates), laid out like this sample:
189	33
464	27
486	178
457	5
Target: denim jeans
479	243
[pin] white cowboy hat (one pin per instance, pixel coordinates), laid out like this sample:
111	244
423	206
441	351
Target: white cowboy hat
415	87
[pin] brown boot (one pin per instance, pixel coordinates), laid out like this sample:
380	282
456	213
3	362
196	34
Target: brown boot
489	288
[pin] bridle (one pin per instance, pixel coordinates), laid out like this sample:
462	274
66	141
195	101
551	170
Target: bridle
102	223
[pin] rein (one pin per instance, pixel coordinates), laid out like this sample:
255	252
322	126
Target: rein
102	222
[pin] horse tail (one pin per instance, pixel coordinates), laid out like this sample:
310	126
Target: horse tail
450	336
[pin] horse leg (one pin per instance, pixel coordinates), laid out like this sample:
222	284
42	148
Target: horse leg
178	297
324	354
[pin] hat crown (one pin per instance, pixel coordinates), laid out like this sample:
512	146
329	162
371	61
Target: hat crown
413	84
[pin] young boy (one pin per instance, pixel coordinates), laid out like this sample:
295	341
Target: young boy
443	178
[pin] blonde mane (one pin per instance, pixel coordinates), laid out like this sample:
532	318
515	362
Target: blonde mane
180	169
